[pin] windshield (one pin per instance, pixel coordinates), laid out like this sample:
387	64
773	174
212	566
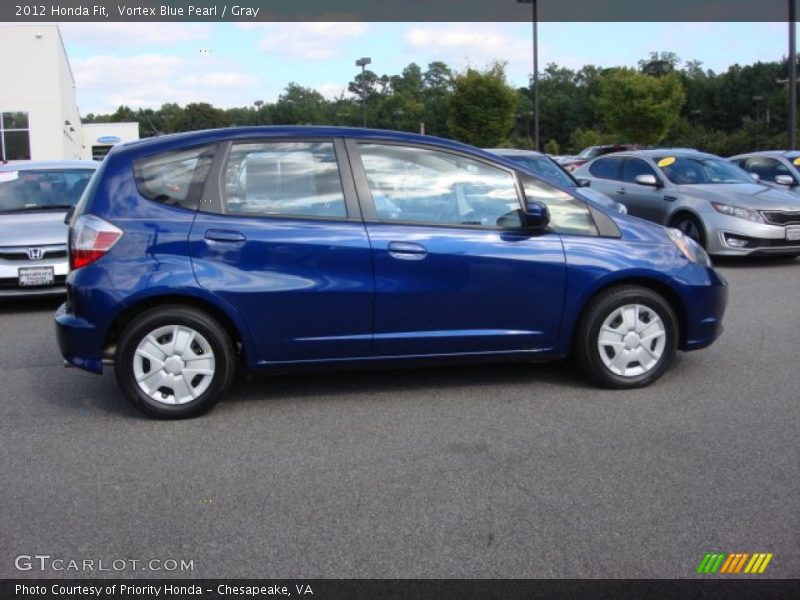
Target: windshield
588	153
545	167
42	189
690	171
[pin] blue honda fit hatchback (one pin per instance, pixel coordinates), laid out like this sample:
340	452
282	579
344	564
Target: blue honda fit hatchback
196	256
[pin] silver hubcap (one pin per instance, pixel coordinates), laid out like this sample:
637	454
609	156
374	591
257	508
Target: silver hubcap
173	364
632	340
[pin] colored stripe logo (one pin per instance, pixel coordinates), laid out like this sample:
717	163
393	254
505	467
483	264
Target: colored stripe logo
734	563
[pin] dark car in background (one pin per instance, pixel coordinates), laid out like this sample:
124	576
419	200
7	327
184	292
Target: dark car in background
591	152
547	168
198	255
708	198
34	198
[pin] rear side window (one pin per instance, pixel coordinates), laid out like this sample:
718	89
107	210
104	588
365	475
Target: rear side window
606	168
284	179
176	177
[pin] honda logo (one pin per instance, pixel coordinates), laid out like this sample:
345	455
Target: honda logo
36	253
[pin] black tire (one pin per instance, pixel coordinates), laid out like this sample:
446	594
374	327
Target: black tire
691	227
585	345
218	339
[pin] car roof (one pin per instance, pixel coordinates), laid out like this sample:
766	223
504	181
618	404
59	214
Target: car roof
179	140
660	152
513	152
767	153
33	165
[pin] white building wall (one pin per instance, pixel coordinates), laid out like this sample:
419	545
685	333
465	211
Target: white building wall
35	78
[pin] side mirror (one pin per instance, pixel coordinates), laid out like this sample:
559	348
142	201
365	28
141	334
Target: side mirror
755	176
648	179
68	216
536	215
585	182
786	180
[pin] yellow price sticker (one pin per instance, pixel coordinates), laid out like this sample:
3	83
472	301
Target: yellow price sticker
796	161
665	162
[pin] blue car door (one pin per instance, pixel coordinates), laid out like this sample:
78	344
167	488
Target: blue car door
455	272
286	247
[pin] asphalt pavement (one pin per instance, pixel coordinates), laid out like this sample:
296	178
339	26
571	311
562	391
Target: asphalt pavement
497	471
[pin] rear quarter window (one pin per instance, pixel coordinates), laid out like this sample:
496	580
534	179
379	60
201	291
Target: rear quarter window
176	177
606	168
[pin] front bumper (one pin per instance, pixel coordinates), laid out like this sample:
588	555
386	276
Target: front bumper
730	236
13	259
705	297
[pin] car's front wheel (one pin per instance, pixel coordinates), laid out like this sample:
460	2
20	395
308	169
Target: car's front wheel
174	362
627	337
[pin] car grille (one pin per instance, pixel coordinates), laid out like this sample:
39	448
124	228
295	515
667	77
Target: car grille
781	217
21	253
12	283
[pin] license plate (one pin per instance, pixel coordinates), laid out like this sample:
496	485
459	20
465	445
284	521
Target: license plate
35	276
793	233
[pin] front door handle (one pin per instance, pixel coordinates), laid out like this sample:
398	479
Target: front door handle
224	235
621	191
407	251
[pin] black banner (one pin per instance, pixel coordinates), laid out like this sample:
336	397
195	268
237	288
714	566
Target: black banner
411	589
383	11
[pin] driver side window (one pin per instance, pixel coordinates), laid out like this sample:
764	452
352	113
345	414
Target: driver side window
421	185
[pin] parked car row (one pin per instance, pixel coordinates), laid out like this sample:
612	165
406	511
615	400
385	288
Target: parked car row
711	200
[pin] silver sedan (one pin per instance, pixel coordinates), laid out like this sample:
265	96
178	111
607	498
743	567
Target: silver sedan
708	198
34	199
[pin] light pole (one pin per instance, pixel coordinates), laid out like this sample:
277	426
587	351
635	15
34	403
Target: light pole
792	77
363	62
535	20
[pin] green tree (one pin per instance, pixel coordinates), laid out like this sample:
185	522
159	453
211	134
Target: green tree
639	107
201	115
482	107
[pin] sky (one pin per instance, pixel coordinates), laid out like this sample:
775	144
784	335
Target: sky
234	64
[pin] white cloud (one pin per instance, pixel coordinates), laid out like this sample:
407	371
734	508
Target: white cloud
473	44
149	80
134	34
306	41
332	90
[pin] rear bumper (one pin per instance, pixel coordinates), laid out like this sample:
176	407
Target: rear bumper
77	340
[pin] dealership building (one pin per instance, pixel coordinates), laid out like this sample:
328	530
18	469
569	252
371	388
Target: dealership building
39	116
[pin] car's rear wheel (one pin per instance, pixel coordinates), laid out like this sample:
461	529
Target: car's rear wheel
627	337
174	362
691	227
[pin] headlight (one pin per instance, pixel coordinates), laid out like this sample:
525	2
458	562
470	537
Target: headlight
748	214
693	251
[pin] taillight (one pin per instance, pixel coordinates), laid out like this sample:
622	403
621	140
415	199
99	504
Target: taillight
90	238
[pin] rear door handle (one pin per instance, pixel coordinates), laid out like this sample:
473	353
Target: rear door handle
621	191
224	235
407	251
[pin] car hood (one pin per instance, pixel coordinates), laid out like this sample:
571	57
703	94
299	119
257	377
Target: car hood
746	195
33	228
